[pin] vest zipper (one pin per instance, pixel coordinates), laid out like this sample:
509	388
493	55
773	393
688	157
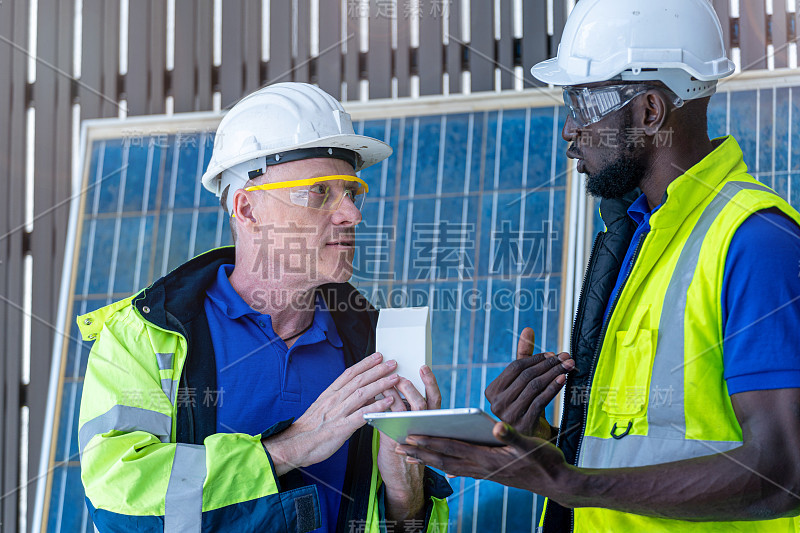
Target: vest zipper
597	353
578	316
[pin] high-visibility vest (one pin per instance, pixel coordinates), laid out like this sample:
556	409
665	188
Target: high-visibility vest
658	393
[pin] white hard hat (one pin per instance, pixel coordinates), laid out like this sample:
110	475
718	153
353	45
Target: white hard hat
280	123
678	42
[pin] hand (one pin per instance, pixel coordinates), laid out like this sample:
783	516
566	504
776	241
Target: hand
404	481
522	391
526	463
335	415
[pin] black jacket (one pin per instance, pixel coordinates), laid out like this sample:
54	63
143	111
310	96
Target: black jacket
605	261
176	303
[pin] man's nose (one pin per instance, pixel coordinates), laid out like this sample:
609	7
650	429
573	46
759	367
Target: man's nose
347	214
570	129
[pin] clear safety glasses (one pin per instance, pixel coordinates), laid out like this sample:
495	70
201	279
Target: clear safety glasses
589	105
325	193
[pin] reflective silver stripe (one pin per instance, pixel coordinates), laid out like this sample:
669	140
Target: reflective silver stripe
666	439
169	388
165	360
667	419
183	505
640	450
165	363
125	418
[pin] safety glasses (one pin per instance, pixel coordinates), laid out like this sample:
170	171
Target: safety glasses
589	105
325	193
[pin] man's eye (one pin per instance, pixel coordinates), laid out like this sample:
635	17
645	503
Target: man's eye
318	188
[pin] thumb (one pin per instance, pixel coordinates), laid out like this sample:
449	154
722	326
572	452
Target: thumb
508	435
526	343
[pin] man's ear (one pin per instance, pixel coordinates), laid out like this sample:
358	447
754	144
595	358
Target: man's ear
243	209
655	108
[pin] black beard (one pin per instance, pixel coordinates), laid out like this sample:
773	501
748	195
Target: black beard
616	179
622	175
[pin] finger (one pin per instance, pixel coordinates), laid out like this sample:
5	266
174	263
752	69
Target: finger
449	464
356	419
536	407
397	403
415	399
371	375
511	372
539	375
361	396
538	391
539	365
358	368
510	437
449	447
433	396
525	346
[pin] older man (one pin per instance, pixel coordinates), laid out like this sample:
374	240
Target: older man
274	332
682	404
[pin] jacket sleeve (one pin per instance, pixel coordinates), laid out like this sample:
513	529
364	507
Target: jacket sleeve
136	478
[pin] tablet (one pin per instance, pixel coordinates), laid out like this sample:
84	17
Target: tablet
467	424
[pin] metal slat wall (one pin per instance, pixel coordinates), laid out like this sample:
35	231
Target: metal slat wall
430	53
279	67
52	100
402	57
779	30
453	35
504	44
191	77
351	38
233	60
456	41
13	30
251	45
536	42
753	30
329	62
481	46
379	59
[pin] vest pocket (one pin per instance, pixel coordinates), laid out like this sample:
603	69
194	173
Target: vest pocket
629	388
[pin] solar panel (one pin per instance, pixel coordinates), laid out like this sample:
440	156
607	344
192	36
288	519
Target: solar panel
467	216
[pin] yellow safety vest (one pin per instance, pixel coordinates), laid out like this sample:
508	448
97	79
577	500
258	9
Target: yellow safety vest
658	393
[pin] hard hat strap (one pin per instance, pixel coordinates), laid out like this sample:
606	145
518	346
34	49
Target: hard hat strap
309	153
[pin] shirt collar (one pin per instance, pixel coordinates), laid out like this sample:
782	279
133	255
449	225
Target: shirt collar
225	297
640	211
324	320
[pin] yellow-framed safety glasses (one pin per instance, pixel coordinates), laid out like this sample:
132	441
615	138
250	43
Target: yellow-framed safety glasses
321	193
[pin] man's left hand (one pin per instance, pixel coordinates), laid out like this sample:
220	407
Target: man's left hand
524	462
403	481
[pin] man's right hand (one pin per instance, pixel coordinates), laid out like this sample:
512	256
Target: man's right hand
334	416
521	392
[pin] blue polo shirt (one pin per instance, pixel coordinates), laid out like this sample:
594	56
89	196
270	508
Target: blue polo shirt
760	299
261	382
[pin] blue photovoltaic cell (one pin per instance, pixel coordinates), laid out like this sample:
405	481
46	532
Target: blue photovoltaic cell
765	150
781	132
468	217
718	115
744	123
